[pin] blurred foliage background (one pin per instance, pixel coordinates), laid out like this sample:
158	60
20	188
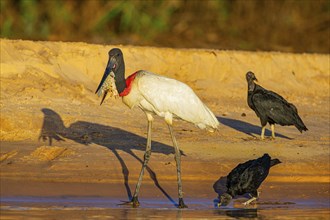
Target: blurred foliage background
280	25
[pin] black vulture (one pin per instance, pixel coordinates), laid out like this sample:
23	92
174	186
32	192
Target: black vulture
246	178
271	107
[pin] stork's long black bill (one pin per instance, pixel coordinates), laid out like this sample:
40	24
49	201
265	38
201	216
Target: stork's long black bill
107	71
104	95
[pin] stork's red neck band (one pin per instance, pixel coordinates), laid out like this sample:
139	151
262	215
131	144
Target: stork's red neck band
128	87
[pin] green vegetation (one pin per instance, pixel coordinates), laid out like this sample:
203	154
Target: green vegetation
283	25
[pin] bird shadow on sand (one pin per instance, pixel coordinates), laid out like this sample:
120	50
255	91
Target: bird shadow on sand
247	128
115	139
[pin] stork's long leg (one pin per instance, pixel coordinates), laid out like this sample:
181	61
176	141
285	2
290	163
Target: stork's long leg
135	201
178	168
272	126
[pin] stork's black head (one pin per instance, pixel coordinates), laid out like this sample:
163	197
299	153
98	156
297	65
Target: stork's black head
250	77
116	60
115	66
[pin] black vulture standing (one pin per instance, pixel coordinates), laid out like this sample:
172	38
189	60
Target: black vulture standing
271	107
246	178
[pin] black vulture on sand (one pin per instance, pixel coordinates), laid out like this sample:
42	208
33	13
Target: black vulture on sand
246	178
271	107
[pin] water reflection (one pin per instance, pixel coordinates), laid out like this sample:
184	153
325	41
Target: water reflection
239	213
103	207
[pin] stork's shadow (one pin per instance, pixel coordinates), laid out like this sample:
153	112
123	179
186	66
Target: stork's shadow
115	139
247	128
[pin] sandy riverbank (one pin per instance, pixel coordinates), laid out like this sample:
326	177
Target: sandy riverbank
54	134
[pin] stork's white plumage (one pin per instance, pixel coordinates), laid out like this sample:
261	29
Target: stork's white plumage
162	96
169	98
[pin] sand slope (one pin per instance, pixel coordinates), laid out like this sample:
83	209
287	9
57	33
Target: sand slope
48	73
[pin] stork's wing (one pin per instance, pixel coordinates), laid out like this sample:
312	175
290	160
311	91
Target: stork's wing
172	96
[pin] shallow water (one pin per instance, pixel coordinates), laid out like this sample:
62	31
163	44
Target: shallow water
108	208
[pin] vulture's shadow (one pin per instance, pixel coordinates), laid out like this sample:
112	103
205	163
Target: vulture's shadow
115	139
247	128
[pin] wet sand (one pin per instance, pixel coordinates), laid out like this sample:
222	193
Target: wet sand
154	212
64	156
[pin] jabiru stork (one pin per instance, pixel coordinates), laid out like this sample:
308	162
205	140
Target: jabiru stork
157	95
